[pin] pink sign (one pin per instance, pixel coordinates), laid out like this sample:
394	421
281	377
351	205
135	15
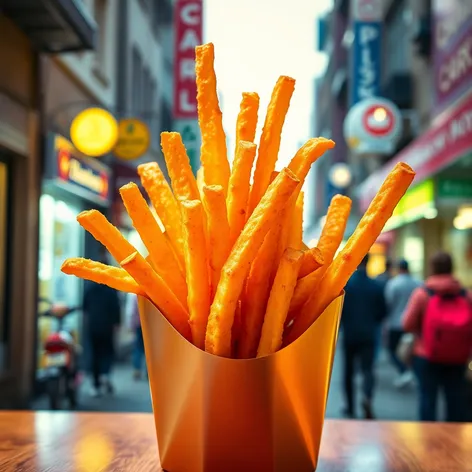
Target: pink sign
188	34
446	141
452	50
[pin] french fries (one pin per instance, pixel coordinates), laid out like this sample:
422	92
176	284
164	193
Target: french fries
228	267
279	302
357	246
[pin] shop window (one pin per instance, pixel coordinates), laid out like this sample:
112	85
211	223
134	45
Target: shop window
101	65
3	265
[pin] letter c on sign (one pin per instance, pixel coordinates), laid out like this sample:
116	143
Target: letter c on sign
190	14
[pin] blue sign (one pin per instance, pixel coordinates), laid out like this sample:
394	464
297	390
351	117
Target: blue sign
366	60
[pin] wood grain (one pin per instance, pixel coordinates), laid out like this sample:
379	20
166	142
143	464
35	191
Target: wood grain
37	442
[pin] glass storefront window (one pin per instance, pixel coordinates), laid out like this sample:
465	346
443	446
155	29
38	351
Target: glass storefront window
3	254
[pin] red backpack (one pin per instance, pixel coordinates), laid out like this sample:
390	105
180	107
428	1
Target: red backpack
447	328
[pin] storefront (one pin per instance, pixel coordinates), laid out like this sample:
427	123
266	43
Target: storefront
72	183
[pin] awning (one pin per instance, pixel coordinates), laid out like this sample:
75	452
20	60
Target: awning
448	139
53	25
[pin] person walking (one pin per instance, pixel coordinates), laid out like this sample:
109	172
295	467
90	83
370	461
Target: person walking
102	318
138	350
363	310
383	279
439	314
397	295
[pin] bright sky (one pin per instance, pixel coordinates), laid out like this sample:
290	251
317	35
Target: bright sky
256	41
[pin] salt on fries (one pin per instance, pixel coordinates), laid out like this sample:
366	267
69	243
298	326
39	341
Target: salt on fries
229	270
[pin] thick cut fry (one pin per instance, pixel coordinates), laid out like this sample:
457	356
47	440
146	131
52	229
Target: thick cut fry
99	273
158	292
196	264
161	254
238	190
270	139
331	237
236	268
165	204
357	246
279	302
256	294
295	236
200	180
246	123
312	150
181	175
214	156
105	233
219	244
286	221
312	260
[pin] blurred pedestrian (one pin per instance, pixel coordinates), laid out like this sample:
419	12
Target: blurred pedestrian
397	294
364	308
138	350
440	315
382	278
102	319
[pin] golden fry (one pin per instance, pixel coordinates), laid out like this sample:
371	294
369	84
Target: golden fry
219	244
181	175
214	156
165	204
161	254
238	190
330	240
357	246
256	294
312	150
246	123
105	233
99	273
200	180
270	139
236	268
196	264
295	236
312	260
158	292
279	302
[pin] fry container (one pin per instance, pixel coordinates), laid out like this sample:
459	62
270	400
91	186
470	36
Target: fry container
214	414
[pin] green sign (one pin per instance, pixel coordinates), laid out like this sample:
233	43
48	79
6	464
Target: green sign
454	188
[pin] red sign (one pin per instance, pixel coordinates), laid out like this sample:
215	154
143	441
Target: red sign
446	141
378	120
188	34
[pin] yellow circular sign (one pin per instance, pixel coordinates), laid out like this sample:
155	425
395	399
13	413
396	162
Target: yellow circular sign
133	139
94	132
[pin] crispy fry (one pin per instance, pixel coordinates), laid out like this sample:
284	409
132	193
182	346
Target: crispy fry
165	204
196	263
270	139
213	152
236	268
279	302
161	254
114	277
312	260
295	236
107	234
238	190
330	240
200	180
158	292
219	244
256	294
346	262
181	175
312	150
286	221
246	123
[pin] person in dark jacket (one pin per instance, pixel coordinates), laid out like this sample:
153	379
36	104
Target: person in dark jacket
102	318
364	309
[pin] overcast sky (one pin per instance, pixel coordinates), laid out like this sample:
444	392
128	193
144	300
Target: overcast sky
254	45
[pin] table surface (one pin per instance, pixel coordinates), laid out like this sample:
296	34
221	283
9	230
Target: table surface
92	442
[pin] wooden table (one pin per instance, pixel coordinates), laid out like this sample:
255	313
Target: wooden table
92	442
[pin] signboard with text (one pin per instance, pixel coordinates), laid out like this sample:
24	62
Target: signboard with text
452	50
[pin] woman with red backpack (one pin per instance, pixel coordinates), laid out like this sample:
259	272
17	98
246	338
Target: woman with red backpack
439	314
